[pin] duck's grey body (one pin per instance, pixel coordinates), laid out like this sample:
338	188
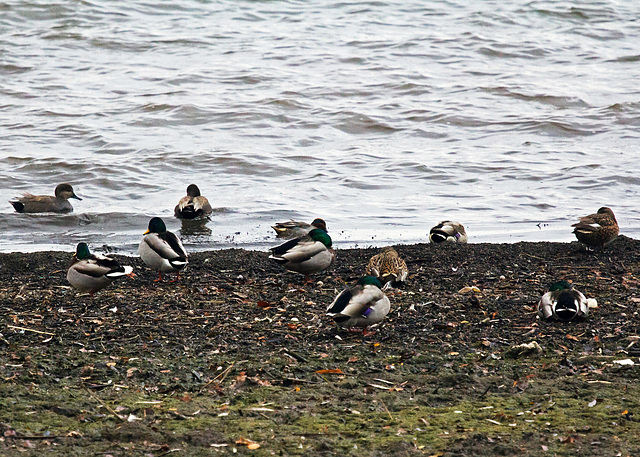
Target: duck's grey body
160	257
448	231
294	229
563	303
307	254
162	250
360	305
93	272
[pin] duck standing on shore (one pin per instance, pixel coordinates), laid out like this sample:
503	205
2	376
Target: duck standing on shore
597	229
307	254
162	250
360	305
563	303
294	229
388	267
93	272
449	231
192	205
29	203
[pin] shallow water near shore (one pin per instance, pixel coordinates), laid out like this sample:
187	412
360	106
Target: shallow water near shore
106	232
514	118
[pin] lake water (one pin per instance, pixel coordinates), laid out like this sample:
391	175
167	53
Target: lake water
381	117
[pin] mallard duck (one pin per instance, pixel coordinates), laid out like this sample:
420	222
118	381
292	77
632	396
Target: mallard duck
29	203
93	272
562	302
294	229
162	250
450	231
193	204
597	229
388	267
306	254
360	305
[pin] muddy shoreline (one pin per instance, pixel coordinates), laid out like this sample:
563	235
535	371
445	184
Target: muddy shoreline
238	357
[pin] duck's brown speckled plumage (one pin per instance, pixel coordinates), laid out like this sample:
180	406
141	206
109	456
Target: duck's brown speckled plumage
388	267
597	229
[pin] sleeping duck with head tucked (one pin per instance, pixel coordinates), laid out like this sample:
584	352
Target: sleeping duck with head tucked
597	229
388	267
93	272
307	254
360	305
448	231
295	229
564	303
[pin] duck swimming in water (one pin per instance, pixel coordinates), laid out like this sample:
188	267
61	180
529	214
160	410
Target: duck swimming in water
29	203
192	205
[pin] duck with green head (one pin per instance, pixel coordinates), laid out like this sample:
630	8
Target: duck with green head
29	203
162	250
306	254
294	229
360	305
92	272
563	302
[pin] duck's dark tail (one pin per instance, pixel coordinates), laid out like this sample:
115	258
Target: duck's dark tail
18	206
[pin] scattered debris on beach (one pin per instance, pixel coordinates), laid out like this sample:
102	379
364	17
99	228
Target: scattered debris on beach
239	357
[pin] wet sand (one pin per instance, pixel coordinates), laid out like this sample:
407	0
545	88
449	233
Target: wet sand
239	355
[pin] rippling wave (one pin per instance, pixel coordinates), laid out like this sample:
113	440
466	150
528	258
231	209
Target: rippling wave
515	118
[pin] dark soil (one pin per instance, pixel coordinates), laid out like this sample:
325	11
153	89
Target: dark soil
239	357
